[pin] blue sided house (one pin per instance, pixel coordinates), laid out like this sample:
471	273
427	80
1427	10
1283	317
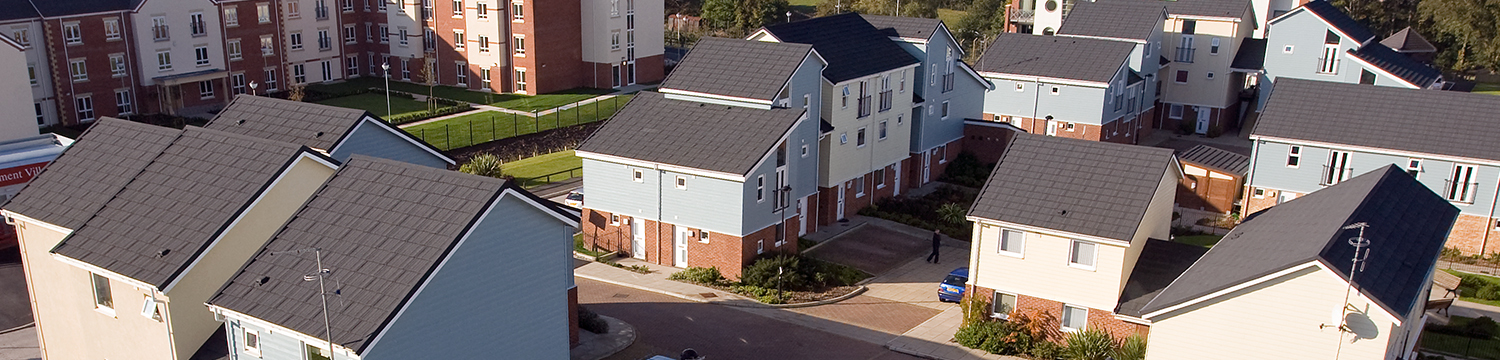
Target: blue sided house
340	132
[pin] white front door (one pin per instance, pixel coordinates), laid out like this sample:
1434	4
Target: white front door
840	208
1051	127
637	239
1202	119
897	190
927	167
801	216
679	258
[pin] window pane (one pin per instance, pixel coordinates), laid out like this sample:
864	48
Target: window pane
102	296
1004	304
1074	317
1083	253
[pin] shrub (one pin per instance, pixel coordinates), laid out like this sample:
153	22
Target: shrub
1186	127
589	320
1215	131
698	275
975	309
1482	328
770	299
485	164
1488	292
1045	350
767	271
966	170
1130	348
1090	344
975	334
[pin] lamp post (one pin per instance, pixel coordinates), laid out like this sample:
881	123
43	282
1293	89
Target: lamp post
252	88
387	73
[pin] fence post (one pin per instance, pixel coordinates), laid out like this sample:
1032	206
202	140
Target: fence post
471	133
493	132
448	136
513	124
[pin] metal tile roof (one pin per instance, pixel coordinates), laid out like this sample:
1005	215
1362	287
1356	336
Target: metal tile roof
1212	8
728	139
91	171
176	205
1398	64
1408	225
1251	56
1339	20
901	26
738	68
382	225
314	125
852	47
1408	40
1078	186
1055	56
1119	19
1217	159
1380	117
1160	262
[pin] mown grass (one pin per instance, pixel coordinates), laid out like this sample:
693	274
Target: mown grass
375	104
545	168
479	128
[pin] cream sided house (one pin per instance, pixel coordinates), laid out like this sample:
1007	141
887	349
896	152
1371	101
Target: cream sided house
131	229
1342	273
1061	224
1199	85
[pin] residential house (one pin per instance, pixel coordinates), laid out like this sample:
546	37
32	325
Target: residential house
22	24
944	84
1212	179
474	267
1346	52
340	132
253	46
865	100
1341	273
134	227
1200	87
1138	22
1061	223
719	167
1343	130
1084	89
1408	42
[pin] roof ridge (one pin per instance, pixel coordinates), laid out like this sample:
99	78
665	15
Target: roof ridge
112	197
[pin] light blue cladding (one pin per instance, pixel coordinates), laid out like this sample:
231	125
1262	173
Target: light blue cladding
274	345
1270	170
965	101
503	293
1305	34
704	203
1071	103
807	82
802	176
610	187
375	140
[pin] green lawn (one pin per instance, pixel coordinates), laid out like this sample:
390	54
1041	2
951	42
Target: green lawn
479	128
950	17
1468	290
1460	345
542	169
509	101
375	104
542	102
1487	88
1207	241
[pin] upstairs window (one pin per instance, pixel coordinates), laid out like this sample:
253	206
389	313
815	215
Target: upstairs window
1294	156
1012	242
103	299
1082	255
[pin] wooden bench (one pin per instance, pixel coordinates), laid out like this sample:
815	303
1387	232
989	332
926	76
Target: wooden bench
1441	305
1444	280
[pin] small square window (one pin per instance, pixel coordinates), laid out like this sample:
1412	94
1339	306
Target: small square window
1414	167
1259	193
1056	90
1294	156
1082	255
843	138
681	182
859	137
1182	76
1020	87
804	150
703	236
1012	243
760	246
614	219
1003	305
638	175
252	342
1286	49
1074	318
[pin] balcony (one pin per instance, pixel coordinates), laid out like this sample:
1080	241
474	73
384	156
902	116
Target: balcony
864	106
1333	175
1185	54
947	82
1460	191
1020	16
199	29
160	33
1328	66
885	100
321	11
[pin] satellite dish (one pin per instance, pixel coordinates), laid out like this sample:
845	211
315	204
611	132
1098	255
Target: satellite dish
690	354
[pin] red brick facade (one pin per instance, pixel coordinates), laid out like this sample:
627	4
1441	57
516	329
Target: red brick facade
1097	319
986	142
1226	118
728	253
554	39
96	87
1117	131
937	163
854	198
253	62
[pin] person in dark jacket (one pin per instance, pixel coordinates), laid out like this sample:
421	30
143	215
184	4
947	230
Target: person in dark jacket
937	240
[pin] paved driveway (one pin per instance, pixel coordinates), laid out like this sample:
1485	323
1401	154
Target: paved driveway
874	249
15	305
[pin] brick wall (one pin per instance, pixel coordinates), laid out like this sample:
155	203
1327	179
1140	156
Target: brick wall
728	253
1474	235
555	40
253	62
1105	320
1043	306
650	69
1227	117
938	163
95	51
986	142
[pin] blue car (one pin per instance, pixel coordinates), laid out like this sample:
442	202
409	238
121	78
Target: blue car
952	287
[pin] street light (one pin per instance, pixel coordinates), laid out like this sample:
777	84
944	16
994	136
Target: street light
252	88
387	67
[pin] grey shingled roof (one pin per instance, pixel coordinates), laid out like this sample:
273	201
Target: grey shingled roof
1408	226
1339	20
1408	40
852	47
1160	262
739	68
1217	159
1251	56
721	138
1078	186
1378	117
1119	19
1214	8
178	203
1398	64
382	225
314	125
91	171
901	26
1055	56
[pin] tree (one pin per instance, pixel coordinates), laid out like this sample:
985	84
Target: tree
1469	28
909	8
984	20
742	14
485	164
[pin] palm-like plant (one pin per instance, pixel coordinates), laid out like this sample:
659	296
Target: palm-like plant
483	165
951	213
1090	344
1130	348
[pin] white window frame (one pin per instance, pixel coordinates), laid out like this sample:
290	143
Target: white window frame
1294	156
994	300
637	175
99	304
263	13
31	73
1063	323
78	70
680	182
1016	249
459	39
520	40
112	29
294	40
760	189
518	11
880	130
462	73
804	151
1456	194
206	89
1258	193
1073	248
1056	90
1213	46
235	50
350	35
124	105
200	56
252	348
1414	167
85	103
481	10
72	35
859	186
859	137
1175	111
945	110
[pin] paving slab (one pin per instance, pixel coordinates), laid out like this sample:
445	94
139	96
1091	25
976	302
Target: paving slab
873	249
933	339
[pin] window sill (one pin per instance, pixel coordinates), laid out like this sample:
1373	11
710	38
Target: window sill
1081	267
1011	254
1069	330
859	195
878	187
106	311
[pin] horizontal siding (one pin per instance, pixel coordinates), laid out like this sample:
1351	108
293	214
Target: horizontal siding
706	203
1271	172
503	292
608	187
1079	104
1286	312
1304	33
374	140
1044	266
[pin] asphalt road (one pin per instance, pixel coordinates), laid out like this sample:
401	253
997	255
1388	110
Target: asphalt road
666	325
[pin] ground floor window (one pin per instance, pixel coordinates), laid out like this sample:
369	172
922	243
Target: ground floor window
122	102
1003	305
85	107
206	89
1074	318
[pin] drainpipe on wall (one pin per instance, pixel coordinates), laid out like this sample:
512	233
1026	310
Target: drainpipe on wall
1488	222
659	214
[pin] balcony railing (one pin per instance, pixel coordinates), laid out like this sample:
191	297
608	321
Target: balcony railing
1328	66
199	29
1022	16
1334	175
864	106
948	82
160	33
885	100
1185	54
1462	193
321	12
325	44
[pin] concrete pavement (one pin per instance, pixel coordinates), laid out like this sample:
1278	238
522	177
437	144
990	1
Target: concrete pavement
20	344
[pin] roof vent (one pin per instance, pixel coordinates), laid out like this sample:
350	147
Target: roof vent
320	134
163	253
240	122
1063	213
262	280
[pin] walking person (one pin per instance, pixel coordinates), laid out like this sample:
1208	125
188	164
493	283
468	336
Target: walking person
937	240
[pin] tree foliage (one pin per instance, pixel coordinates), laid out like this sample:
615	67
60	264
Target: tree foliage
743	14
1470	29
984	21
909	8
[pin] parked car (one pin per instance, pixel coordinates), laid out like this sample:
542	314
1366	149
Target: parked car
952	287
574	199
